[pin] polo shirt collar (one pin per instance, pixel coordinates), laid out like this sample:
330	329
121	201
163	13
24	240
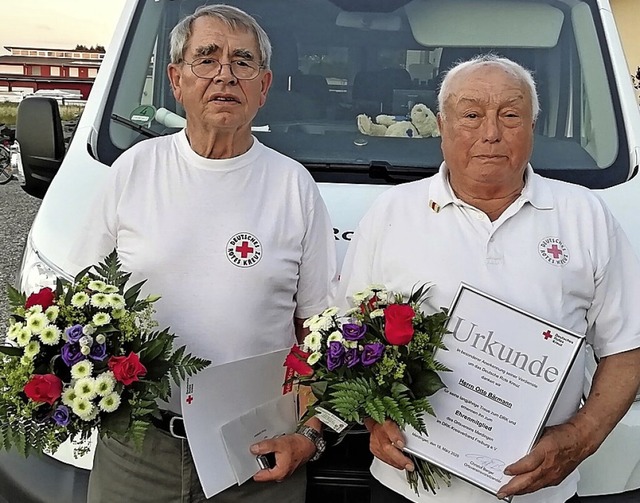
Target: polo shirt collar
535	191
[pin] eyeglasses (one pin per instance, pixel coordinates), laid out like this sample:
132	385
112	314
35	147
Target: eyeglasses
209	68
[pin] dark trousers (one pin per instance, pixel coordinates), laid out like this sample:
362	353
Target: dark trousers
382	494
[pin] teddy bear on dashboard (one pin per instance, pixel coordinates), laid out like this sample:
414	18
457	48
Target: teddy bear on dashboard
422	124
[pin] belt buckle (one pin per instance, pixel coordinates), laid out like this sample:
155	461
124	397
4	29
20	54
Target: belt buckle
172	423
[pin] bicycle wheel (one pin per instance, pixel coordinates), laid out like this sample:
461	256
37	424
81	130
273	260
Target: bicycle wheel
6	172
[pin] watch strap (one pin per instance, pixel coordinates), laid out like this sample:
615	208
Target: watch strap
316	437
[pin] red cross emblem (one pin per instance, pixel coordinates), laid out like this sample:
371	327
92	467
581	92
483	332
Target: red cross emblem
546	335
555	251
245	249
189	399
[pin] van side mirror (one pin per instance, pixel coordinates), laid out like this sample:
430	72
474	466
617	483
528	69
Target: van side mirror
39	134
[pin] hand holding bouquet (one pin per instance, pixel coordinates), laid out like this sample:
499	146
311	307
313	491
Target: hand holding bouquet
377	361
82	357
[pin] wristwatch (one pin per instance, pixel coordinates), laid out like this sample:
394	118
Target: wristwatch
316	437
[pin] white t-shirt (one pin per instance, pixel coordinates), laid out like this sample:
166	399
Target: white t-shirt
236	247
556	252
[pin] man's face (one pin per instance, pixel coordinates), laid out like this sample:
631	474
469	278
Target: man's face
487	128
221	102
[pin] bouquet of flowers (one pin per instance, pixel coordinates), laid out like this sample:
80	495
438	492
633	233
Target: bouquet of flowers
377	361
85	357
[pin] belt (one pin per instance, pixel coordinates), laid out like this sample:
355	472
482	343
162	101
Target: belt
171	423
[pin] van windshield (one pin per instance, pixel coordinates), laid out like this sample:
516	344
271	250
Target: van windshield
338	64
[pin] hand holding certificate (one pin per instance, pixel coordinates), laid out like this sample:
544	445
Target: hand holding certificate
507	370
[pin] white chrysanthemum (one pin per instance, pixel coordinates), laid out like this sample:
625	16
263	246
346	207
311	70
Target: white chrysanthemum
80	299
97	285
50	335
307	323
83	408
100	319
82	369
382	296
88	330
331	311
377	287
68	396
363	296
377	313
322	323
36	308
313	358
352	312
313	341
85	388
110	402
32	349
118	313
335	337
36	322
110	289
350	344
101	338
52	313
14	330
105	383
24	337
116	301
100	300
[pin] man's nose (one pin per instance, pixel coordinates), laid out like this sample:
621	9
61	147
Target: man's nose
492	131
225	75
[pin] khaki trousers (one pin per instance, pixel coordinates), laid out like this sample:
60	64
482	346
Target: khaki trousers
164	472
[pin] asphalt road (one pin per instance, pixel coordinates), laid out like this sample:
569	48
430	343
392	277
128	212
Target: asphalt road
18	210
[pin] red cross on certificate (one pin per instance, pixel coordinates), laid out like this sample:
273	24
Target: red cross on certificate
189	399
554	250
245	249
547	334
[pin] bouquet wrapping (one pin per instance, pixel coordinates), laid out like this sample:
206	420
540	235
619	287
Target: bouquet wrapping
82	357
376	361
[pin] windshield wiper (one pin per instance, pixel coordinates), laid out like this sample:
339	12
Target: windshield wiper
145	131
375	170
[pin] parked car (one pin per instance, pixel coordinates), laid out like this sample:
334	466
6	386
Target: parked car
334	60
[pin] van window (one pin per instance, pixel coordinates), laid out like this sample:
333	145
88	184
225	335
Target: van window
335	59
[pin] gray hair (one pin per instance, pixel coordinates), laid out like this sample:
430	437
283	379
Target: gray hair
233	17
517	70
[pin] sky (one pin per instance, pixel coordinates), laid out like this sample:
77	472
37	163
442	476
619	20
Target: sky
58	24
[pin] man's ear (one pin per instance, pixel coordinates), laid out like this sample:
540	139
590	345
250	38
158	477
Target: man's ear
174	71
265	84
439	119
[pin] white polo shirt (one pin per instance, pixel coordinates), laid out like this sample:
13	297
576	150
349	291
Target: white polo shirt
556	252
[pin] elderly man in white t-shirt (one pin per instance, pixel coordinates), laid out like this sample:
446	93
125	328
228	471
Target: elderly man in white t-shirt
236	239
483	220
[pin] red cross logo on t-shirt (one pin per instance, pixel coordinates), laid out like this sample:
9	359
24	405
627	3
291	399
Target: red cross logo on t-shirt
555	251
244	250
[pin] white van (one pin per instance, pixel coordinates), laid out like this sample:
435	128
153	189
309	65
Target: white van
334	60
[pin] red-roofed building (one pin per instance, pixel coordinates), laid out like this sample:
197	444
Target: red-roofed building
31	69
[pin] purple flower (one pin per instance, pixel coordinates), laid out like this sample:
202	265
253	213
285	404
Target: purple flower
74	333
71	354
352	357
372	353
335	355
353	331
98	351
61	415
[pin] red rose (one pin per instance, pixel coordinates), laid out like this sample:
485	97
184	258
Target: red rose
398	324
45	298
127	369
43	388
297	360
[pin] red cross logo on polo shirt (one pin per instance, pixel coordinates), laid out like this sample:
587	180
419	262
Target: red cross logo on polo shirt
546	335
245	249
555	251
190	399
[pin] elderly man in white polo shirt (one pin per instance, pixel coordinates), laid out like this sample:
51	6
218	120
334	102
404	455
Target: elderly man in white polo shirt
487	219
